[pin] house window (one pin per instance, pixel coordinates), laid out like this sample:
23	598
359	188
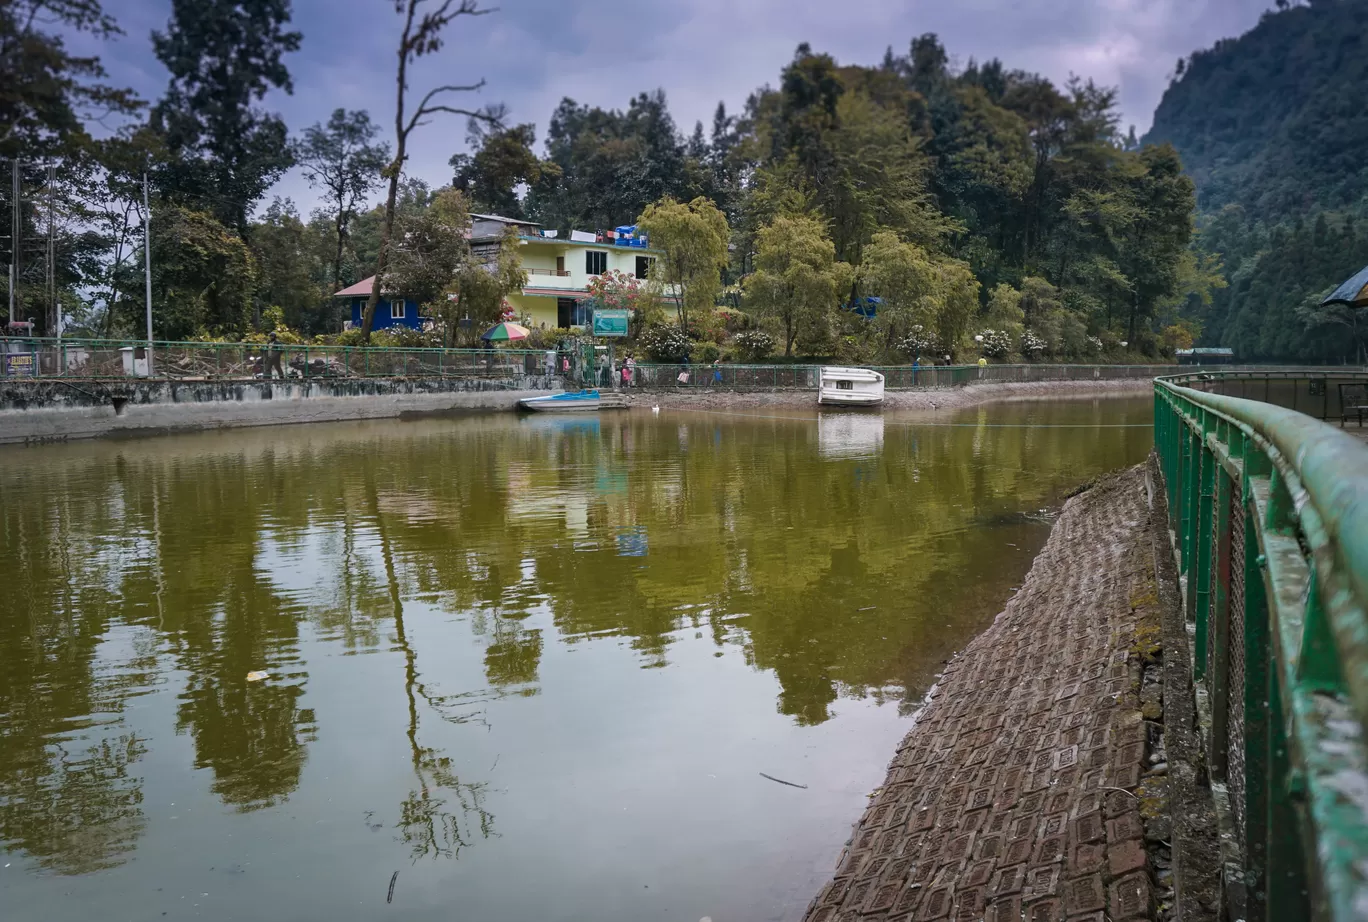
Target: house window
397	310
643	266
596	262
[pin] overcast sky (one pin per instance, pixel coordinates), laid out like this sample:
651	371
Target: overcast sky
534	52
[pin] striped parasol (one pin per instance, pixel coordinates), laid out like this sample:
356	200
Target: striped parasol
505	332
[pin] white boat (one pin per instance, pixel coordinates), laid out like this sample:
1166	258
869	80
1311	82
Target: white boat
569	402
850	387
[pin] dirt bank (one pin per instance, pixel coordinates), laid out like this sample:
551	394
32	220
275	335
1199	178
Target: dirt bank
928	399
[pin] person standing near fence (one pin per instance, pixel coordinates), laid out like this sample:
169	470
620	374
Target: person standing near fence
273	357
628	370
550	362
717	372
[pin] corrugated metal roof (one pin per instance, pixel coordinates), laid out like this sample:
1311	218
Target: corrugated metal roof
1353	292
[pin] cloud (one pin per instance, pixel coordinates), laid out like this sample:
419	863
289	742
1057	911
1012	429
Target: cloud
532	53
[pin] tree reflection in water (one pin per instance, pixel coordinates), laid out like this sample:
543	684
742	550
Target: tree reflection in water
429	823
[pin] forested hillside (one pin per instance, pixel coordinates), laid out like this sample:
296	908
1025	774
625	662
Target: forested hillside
1273	128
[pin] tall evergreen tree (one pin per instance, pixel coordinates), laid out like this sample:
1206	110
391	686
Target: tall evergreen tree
223	55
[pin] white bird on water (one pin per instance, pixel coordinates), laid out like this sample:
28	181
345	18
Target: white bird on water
656	409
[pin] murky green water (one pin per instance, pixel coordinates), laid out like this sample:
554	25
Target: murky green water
535	666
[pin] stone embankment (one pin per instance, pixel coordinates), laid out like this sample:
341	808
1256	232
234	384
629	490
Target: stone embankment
1027	786
49	410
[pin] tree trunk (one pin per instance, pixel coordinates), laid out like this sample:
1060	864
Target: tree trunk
337	260
382	259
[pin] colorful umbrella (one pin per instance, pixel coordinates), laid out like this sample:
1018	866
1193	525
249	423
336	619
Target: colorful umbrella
505	332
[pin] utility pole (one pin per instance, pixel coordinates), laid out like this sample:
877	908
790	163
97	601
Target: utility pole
14	237
50	309
147	268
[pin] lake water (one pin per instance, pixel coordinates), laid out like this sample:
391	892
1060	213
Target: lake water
516	668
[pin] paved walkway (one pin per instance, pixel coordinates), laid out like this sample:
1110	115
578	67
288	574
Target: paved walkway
1009	799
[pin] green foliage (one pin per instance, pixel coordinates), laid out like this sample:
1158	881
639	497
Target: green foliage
482	287
291	258
919	341
502	162
904	277
223	55
664	343
693	238
610	165
1267	124
753	345
192	247
430	248
797	281
46	88
1264	121
343	159
994	343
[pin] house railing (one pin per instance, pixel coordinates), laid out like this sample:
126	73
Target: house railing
1268	517
558	273
96	359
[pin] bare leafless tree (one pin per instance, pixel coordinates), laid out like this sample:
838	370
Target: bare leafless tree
422	36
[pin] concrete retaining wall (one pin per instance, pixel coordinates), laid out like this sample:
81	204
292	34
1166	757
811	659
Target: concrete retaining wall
52	410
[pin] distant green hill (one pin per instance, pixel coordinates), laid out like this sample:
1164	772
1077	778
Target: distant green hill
1273	128
1277	119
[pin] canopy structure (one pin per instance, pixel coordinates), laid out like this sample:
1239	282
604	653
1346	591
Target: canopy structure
1353	293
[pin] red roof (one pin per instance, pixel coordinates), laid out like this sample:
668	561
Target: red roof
361	289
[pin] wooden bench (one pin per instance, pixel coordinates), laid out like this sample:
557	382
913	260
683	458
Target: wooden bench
1353	402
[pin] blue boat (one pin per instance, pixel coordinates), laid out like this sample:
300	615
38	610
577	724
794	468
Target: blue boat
569	402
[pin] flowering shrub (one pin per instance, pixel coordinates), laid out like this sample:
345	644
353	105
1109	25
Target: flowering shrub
994	343
664	343
919	340
1032	344
1096	343
754	344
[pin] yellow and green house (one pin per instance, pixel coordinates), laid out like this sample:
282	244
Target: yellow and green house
559	268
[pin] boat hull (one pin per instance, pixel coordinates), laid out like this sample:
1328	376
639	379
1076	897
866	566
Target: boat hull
577	402
833	398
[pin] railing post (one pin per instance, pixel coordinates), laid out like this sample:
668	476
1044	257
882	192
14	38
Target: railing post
1199	582
1256	696
1285	878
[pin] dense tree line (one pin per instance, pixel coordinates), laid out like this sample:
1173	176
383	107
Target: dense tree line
946	202
1271	126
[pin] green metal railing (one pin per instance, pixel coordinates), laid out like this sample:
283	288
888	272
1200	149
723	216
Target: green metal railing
1268	515
98	359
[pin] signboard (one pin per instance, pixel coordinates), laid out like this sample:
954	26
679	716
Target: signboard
611	321
19	364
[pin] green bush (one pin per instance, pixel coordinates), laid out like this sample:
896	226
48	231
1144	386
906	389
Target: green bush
753	345
664	343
